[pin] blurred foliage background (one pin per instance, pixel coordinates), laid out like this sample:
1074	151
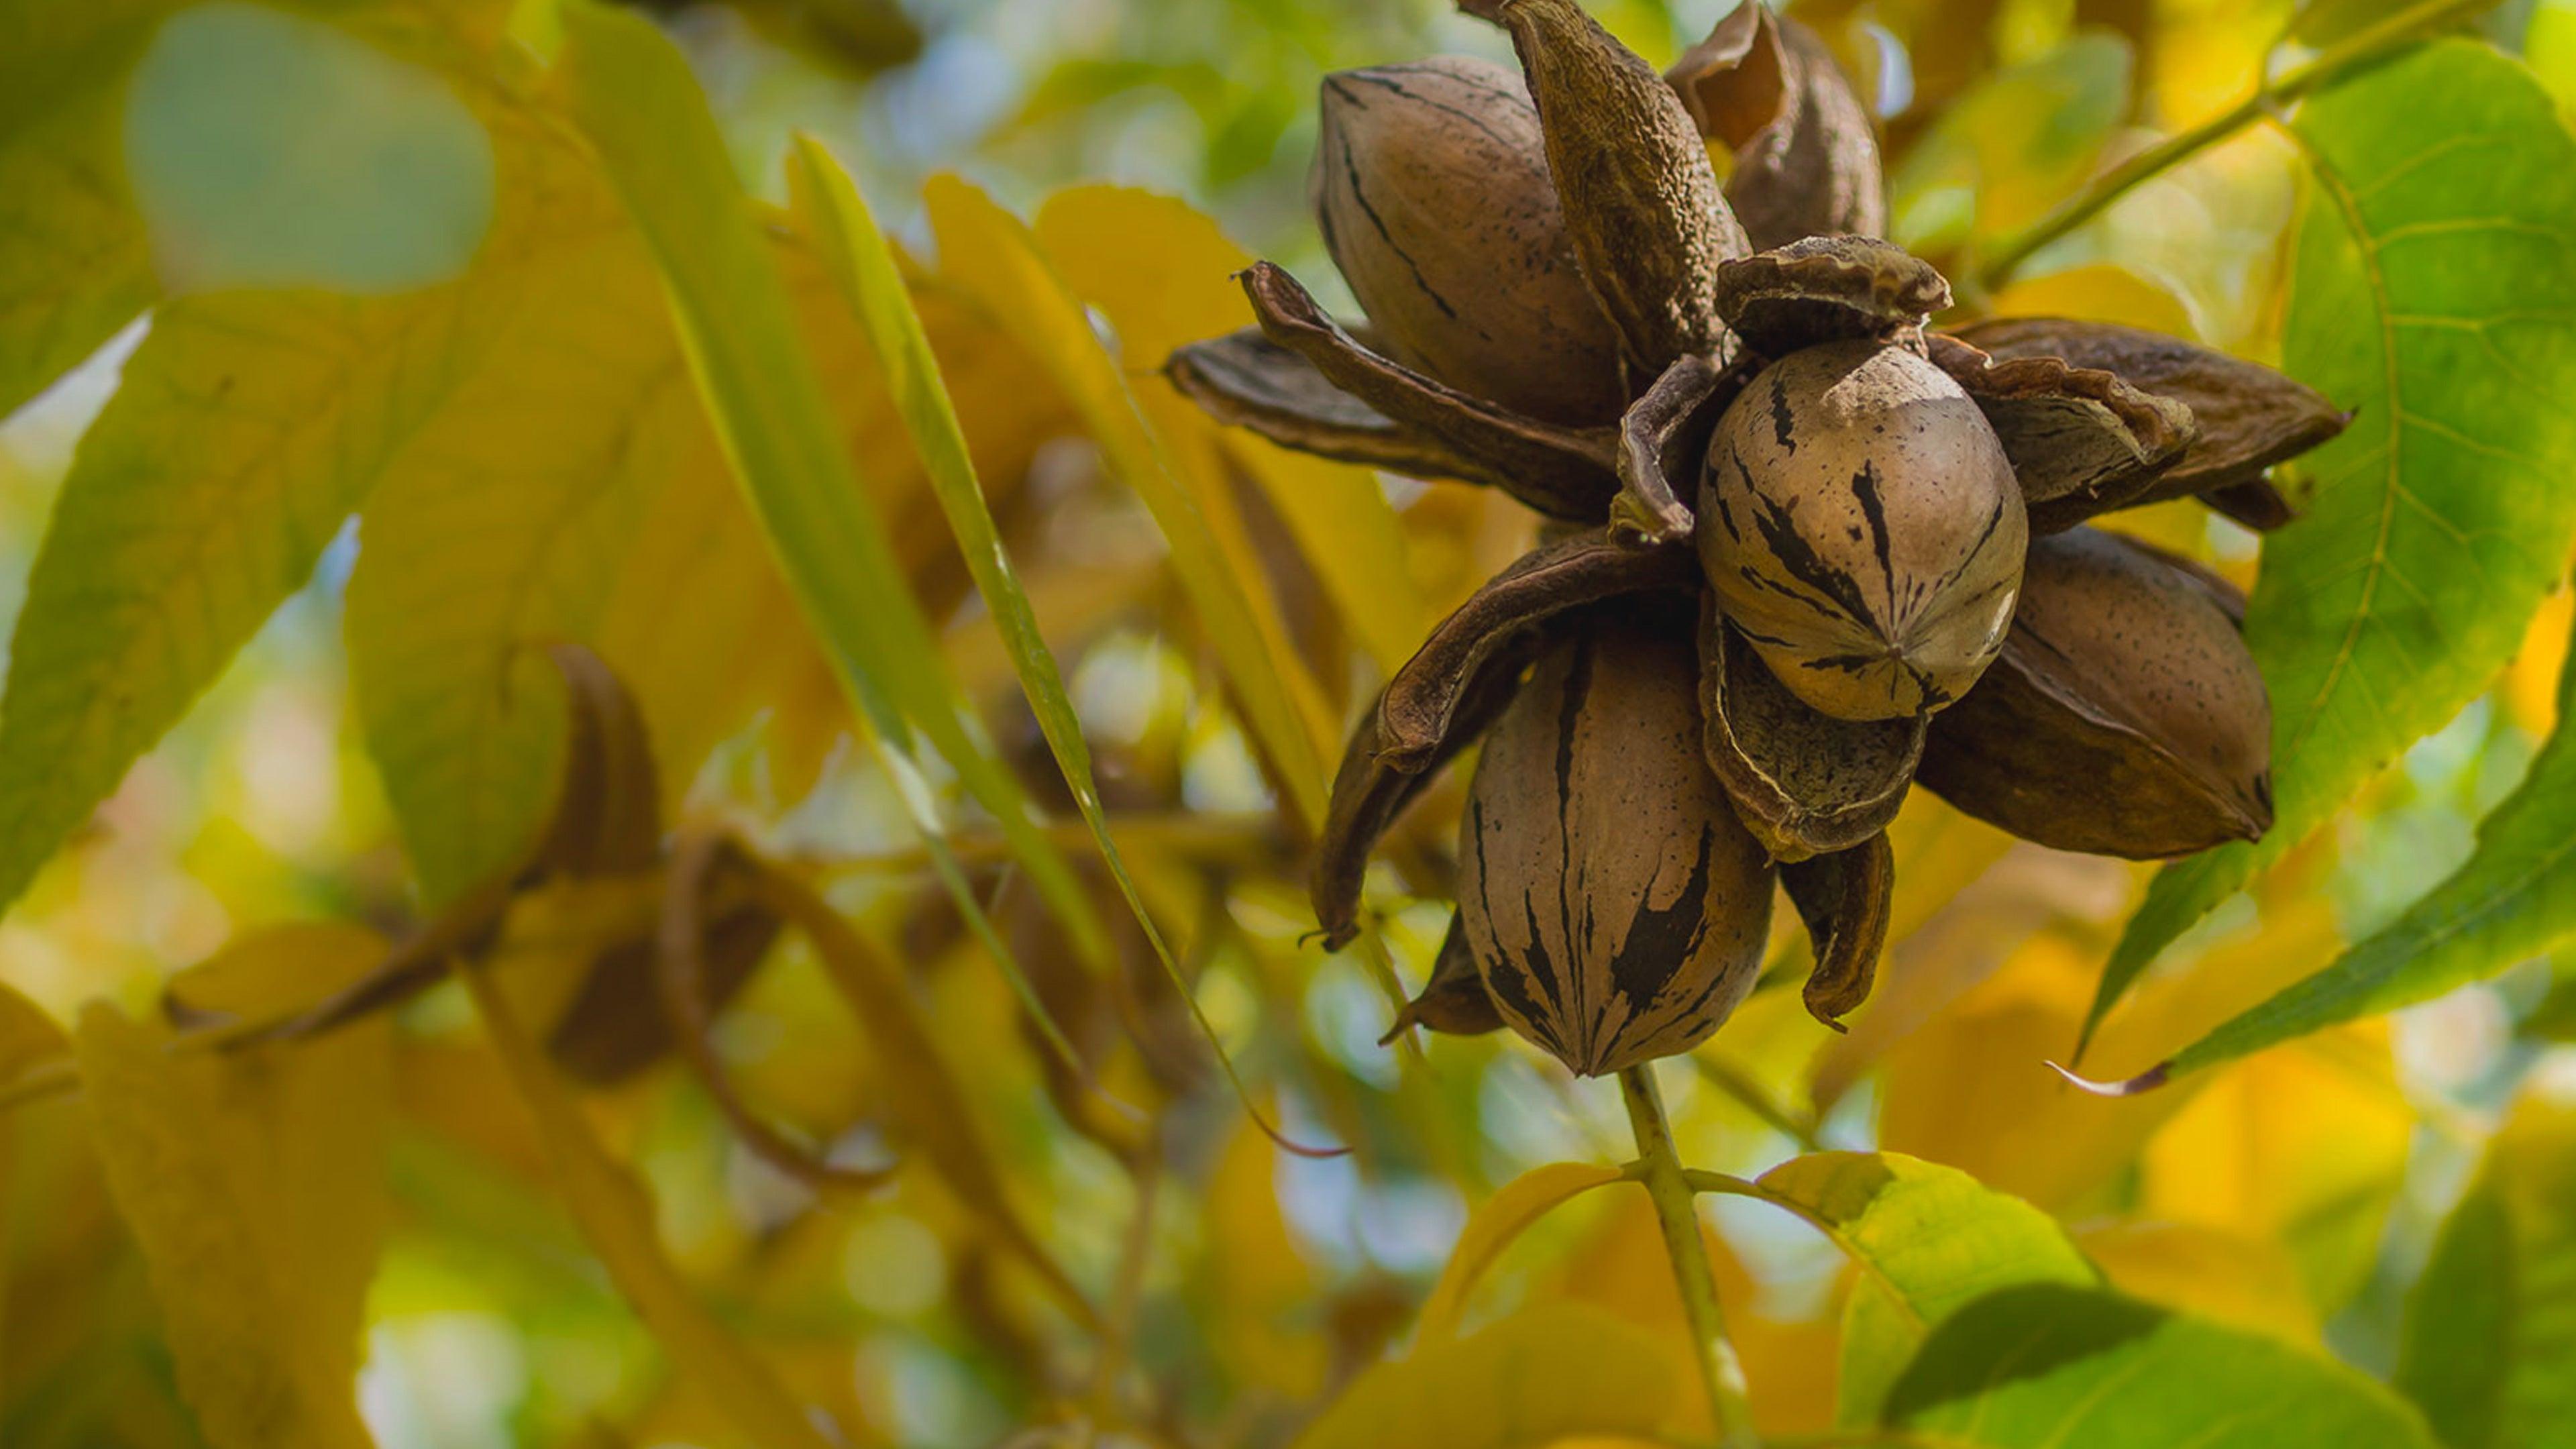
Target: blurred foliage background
2296	1192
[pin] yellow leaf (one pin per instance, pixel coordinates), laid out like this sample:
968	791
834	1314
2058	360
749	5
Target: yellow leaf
2100	292
1339	514
990	253
2249	1282
1540	1376
1491	1228
254	1185
616	1217
27	1034
1255	1285
276	971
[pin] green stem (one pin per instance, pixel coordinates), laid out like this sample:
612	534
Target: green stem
1664	1180
2332	63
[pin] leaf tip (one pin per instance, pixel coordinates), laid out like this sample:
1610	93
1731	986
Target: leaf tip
2137	1086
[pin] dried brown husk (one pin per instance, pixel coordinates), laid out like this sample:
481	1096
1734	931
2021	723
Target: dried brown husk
2082	440
1846	900
1455	685
1432	188
1826	288
1454	1002
1805	783
1806	155
1641	201
2250	416
1247	380
1570	473
1614	903
1662	439
2125	717
1862	528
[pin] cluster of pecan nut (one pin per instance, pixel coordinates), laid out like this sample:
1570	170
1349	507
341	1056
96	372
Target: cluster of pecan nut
1803	551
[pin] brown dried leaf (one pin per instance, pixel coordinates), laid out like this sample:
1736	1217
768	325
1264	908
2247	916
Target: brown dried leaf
1806	153
1454	1001
2125	716
1845	899
1806	783
1826	288
1641	201
2082	440
1570	473
2250	417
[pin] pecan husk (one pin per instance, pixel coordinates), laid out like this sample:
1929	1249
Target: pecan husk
1806	154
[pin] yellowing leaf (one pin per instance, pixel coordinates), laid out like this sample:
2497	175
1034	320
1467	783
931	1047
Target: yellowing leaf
991	254
27	1034
1542	1375
2098	293
1258	1290
247	427
616	1217
254	1185
2227	1277
276	971
1496	1222
1339	515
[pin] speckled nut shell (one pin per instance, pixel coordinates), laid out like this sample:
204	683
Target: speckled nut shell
2125	716
1862	528
1825	288
1615	905
1431	185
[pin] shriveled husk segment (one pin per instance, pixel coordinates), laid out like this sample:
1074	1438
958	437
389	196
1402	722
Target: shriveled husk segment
1455	685
1416	715
1806	156
1863	530
1804	782
1662	439
1454	1002
2082	440
1247	380
1564	472
1614	904
2125	717
1824	288
1641	202
1369	793
1845	899
2250	417
1432	188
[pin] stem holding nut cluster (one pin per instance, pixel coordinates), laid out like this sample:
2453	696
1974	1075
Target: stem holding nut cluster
1665	1182
2363	48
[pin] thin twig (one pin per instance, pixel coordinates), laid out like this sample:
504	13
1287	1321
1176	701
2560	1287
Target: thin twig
1679	1218
2330	64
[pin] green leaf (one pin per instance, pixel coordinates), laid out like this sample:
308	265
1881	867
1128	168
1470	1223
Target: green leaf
2513	900
635	97
1496	1223
2436	263
248	425
1928	1240
2047	1365
2491	1326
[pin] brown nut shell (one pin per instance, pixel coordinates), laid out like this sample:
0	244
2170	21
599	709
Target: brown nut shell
1641	201
1863	529
1248	381
1614	904
1432	188
2125	717
1804	782
1806	156
2082	440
